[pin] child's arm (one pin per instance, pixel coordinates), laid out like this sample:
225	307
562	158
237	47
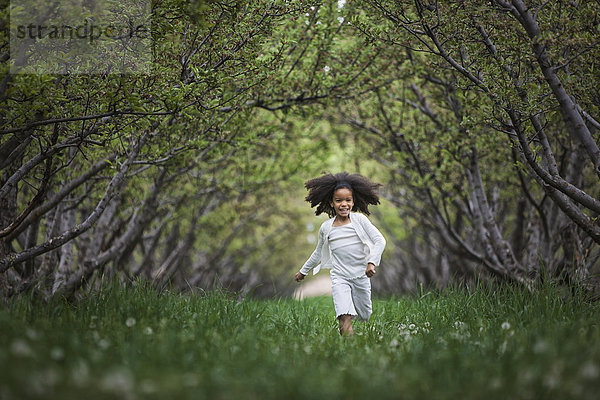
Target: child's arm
378	246
314	258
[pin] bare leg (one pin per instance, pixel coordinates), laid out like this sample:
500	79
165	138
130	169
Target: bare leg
346	325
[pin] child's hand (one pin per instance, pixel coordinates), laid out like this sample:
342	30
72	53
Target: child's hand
370	270
299	276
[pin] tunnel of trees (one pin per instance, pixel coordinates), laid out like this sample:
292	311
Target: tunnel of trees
480	119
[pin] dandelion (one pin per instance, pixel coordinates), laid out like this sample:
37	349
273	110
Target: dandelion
32	334
552	379
412	327
528	376
80	373
496	383
20	348
590	371
460	335
103	344
130	322
403	331
147	387
119	380
57	354
502	348
540	346
505	325
148	331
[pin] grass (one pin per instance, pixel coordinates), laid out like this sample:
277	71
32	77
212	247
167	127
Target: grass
458	344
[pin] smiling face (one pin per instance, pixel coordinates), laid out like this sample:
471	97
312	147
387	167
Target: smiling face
342	202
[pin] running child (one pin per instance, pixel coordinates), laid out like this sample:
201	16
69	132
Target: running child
348	244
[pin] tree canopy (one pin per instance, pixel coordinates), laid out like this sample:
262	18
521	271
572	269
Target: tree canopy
480	119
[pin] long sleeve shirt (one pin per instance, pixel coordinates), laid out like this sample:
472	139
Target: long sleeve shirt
373	242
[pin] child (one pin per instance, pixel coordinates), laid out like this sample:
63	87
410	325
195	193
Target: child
348	244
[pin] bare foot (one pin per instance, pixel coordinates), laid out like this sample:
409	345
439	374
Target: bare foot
346	325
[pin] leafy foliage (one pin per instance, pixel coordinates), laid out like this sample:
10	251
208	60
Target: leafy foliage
193	172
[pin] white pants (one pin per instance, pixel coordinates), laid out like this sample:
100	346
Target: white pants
352	296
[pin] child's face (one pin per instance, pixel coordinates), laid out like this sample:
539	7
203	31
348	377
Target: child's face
342	202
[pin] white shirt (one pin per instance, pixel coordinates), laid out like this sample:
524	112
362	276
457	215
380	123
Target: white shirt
348	254
370	236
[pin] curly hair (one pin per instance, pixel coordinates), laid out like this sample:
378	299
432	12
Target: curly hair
321	189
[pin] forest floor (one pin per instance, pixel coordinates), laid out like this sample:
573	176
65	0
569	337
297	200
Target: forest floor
135	343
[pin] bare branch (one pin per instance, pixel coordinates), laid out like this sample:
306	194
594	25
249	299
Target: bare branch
111	190
62	193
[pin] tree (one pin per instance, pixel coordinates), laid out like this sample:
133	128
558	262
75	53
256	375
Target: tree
123	174
92	155
480	118
497	84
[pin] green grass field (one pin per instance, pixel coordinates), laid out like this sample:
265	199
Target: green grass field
458	344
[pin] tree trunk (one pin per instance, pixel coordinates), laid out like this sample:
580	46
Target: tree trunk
66	252
568	108
112	189
501	249
8	212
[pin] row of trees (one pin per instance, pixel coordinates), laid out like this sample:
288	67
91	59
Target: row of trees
489	138
175	176
145	175
478	118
